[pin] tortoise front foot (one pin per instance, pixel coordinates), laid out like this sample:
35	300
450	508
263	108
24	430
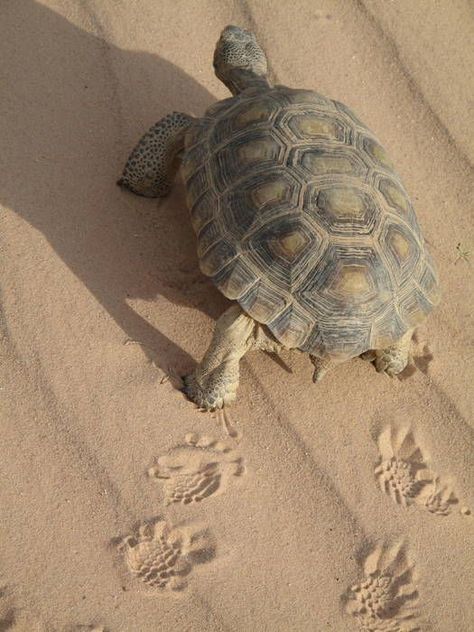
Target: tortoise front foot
151	166
214	391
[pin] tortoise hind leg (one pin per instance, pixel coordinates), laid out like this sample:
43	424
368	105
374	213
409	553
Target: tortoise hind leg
393	359
214	382
151	166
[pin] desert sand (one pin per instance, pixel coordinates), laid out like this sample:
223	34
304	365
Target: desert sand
102	300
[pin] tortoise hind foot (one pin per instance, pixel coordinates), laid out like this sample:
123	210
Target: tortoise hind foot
393	359
216	391
390	363
214	382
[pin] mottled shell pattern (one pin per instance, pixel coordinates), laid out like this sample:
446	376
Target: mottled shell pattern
301	218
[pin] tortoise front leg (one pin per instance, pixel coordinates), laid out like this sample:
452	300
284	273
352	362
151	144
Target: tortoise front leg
151	167
214	382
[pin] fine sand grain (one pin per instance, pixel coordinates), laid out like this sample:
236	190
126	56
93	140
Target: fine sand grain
308	518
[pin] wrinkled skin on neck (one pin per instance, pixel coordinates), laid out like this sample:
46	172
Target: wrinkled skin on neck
238	80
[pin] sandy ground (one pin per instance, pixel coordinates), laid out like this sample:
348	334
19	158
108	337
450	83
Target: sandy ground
292	514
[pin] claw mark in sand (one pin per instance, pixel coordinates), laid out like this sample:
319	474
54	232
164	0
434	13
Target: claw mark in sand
163	557
385	599
225	419
403	473
197	469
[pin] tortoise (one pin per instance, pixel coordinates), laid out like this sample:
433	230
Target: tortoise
301	220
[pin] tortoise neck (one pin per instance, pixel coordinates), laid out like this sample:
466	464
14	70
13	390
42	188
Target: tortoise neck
239	79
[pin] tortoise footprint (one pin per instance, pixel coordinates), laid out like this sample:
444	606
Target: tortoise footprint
403	473
385	599
196	469
163	557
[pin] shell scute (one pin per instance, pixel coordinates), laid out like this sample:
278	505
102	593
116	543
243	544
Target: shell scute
374	150
307	125
217	257
344	208
258	200
396	199
401	249
285	248
236	279
352	279
414	306
261	302
257	150
325	161
428	282
196	186
203	210
250	115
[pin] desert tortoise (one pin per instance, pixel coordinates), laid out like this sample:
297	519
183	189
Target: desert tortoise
300	218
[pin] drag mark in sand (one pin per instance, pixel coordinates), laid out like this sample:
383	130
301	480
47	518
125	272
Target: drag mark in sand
385	599
163	557
197	469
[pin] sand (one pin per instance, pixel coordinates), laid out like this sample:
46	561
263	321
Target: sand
102	299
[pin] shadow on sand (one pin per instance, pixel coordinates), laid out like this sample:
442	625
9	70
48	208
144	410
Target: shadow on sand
70	117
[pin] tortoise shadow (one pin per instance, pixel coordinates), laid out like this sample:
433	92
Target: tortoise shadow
77	107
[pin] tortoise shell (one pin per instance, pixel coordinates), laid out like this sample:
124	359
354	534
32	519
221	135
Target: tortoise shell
301	218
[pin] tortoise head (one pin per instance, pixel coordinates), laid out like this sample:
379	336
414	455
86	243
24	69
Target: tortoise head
239	60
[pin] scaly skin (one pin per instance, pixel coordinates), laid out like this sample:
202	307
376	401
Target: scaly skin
214	382
393	359
151	167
